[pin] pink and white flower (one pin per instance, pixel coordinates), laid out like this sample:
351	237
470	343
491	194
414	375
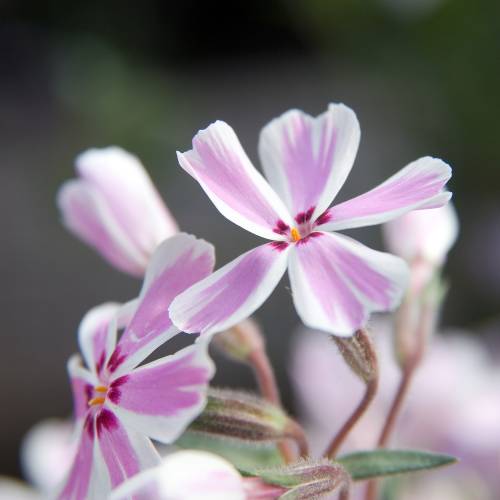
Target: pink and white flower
336	281
115	208
195	475
119	406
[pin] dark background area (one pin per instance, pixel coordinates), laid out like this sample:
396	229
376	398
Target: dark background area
422	75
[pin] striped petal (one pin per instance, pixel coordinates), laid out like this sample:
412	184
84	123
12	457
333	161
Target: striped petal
178	263
115	208
160	399
232	293
121	452
337	282
219	163
307	159
82	481
97	335
82	382
419	185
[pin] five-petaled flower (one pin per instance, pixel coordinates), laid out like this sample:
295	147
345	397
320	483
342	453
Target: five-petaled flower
336	281
119	406
115	208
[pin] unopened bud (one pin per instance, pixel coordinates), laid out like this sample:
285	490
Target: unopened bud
240	341
244	417
359	353
308	479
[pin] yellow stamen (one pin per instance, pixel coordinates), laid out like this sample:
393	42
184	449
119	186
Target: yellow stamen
101	388
295	234
96	401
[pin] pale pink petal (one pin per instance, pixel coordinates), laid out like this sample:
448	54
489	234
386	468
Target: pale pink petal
123	451
307	159
178	263
232	293
131	196
86	214
115	208
337	282
78	484
95	336
47	452
189	474
82	382
219	163
419	185
425	234
161	398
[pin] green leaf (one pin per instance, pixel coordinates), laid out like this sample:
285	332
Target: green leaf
243	456
369	464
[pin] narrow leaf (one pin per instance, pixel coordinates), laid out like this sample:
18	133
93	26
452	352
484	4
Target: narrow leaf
370	464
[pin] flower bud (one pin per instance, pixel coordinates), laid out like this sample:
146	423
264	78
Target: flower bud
423	238
244	417
115	208
308	479
359	353
240	341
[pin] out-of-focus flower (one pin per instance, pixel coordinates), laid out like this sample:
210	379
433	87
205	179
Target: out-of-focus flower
118	406
45	451
46	454
114	207
336	281
193	475
453	407
423	238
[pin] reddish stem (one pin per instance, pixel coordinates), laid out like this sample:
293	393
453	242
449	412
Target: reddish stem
336	443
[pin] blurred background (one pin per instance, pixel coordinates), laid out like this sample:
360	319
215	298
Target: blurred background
422	75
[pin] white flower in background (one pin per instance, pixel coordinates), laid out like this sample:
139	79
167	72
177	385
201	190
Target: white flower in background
114	207
185	475
46	454
456	387
423	238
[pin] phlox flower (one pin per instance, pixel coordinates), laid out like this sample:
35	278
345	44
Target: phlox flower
114	207
118	406
336	281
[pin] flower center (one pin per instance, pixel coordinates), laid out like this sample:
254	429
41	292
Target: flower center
295	234
99	395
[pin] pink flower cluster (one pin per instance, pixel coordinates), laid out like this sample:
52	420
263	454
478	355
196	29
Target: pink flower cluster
121	404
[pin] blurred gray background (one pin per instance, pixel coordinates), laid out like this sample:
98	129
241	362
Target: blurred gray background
422	76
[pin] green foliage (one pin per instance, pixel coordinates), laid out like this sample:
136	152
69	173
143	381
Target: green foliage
370	464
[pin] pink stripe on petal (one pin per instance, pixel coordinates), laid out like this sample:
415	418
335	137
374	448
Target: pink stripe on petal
232	293
161	398
82	383
177	264
419	185
94	336
86	214
337	282
307	159
125	452
219	163
130	194
77	484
